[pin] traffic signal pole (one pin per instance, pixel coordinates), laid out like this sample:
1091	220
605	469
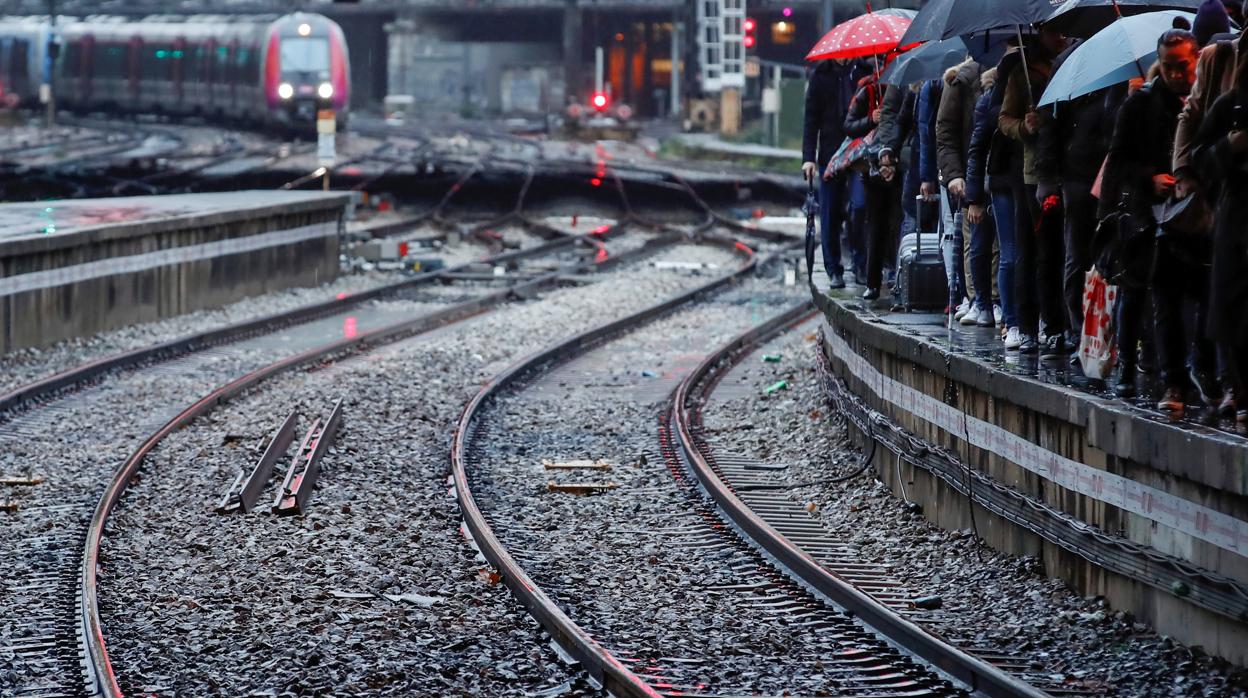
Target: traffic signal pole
50	65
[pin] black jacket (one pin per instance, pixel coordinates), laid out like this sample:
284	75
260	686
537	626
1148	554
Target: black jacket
1141	148
1220	166
1074	138
828	92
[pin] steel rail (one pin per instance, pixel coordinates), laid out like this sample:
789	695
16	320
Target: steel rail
605	668
98	666
971	671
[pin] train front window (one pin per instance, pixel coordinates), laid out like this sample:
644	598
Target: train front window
305	56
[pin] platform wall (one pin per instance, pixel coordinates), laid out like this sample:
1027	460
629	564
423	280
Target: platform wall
52	289
1166	501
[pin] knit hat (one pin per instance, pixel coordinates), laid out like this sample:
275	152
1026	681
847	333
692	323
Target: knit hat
1211	19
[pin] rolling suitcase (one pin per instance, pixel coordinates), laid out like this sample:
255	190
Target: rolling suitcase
921	283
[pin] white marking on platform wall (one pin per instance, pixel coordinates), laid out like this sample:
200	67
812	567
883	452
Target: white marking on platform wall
129	264
1158	506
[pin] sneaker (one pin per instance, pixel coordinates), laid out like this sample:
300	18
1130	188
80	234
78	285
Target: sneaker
838	281
969	317
1055	347
1204	385
1171	401
963	308
1029	344
1227	408
984	318
1013	339
871	294
997	313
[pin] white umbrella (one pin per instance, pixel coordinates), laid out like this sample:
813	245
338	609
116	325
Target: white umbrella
1115	54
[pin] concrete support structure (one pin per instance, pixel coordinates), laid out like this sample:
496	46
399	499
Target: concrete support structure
1116	501
73	268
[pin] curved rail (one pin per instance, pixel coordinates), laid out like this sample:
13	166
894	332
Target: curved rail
98	665
971	671
601	665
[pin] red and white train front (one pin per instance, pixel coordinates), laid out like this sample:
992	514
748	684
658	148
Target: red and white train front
305	69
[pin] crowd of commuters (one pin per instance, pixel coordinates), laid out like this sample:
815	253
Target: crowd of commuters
1146	180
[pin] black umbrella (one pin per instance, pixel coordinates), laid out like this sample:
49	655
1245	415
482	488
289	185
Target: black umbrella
1083	18
945	19
926	62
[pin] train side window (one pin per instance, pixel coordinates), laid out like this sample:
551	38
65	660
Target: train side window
160	61
72	59
109	61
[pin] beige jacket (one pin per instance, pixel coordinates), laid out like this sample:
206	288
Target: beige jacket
1017	103
1202	98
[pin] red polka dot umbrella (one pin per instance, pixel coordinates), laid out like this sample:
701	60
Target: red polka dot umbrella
865	35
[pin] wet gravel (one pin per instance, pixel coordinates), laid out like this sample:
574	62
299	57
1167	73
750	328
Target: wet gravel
195	603
25	365
637	565
990	599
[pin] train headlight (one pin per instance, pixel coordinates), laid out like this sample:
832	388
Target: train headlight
285	90
325	91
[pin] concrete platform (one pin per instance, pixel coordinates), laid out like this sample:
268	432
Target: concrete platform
1116	499
73	268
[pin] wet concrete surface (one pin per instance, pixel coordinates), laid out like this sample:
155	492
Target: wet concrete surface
21	220
983	344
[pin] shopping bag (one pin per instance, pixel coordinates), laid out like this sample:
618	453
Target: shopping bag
1098	349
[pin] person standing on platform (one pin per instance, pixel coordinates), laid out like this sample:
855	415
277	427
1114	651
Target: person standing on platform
955	123
1215	75
1037	210
1138	173
828	92
880	168
1220	153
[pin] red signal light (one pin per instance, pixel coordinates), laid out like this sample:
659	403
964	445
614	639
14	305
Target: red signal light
748	41
748	27
750	24
599	101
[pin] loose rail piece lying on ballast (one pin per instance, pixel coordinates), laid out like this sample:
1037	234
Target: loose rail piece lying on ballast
300	478
243	494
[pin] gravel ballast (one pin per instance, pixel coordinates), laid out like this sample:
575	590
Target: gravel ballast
989	599
638	565
269	604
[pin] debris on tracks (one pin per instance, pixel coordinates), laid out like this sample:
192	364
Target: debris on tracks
243	494
301	476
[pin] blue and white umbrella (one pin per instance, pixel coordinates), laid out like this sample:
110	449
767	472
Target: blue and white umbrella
1122	51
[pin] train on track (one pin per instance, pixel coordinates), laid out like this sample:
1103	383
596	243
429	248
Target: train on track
258	70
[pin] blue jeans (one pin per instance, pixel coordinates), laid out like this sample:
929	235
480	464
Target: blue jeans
856	231
1003	215
982	237
832	196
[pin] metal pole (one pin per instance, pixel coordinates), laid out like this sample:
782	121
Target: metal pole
598	70
677	28
775	84
51	64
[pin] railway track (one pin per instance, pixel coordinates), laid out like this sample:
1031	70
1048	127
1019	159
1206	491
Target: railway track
603	573
759	504
328	360
42	634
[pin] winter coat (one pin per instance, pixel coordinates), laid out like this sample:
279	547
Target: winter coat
955	120
1073	140
893	131
1215	75
983	131
1211	153
866	99
1139	150
929	99
1018	102
828	92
